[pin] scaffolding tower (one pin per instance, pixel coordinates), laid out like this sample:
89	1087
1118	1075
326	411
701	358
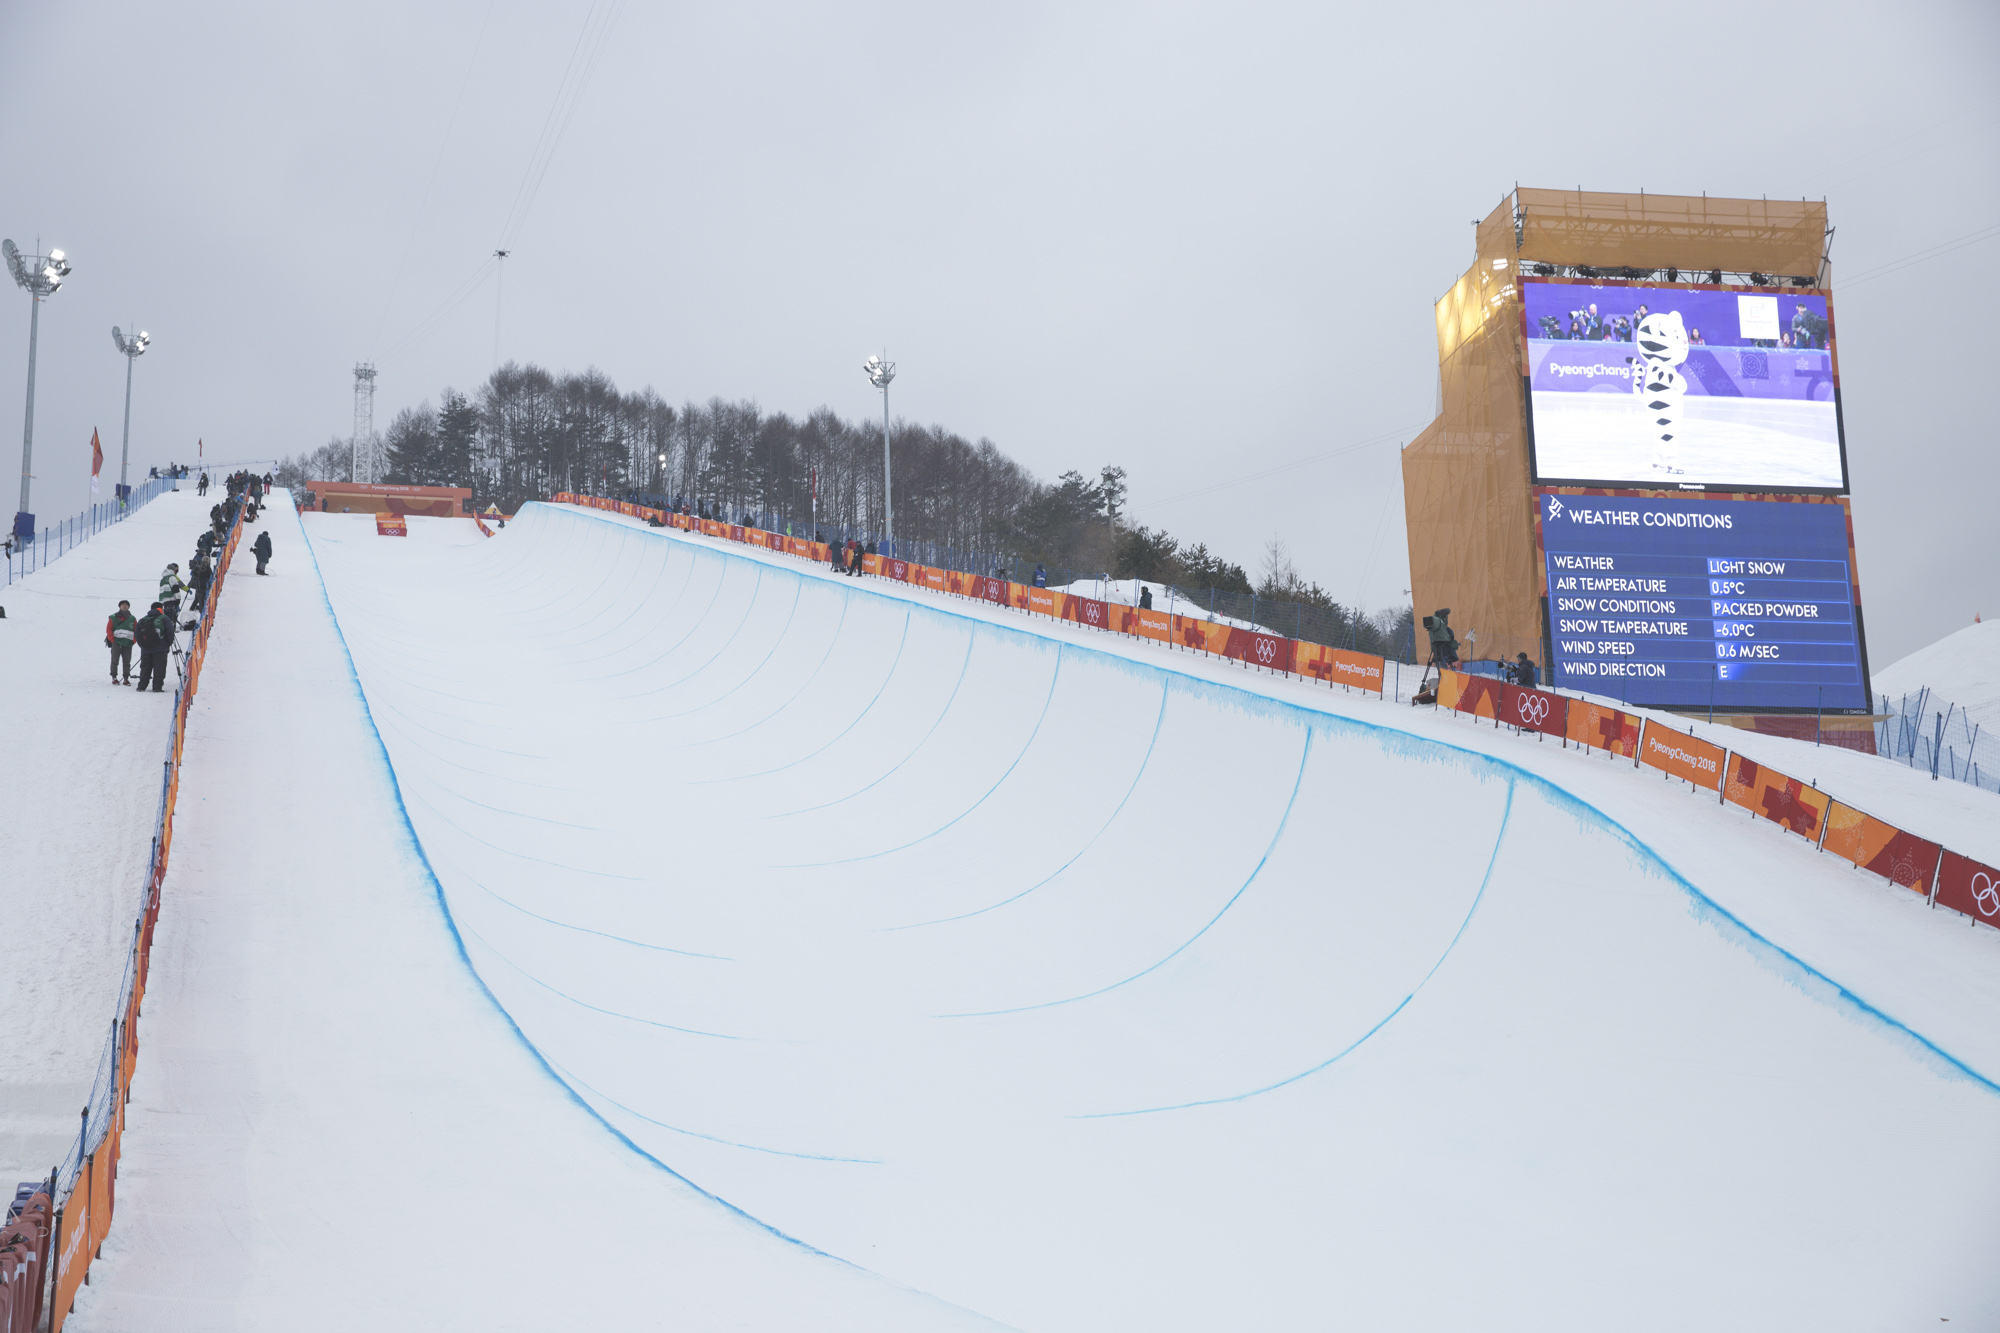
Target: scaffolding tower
364	444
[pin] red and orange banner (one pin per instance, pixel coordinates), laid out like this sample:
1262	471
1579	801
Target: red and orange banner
1602	728
391	525
1783	800
1899	857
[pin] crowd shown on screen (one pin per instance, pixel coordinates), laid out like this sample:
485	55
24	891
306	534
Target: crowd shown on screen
1808	329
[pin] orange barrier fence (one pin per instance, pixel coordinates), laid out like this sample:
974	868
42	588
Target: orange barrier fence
1785	801
1899	857
82	1191
1949	879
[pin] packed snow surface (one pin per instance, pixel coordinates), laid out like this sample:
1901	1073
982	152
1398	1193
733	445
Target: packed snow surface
1041	973
79	791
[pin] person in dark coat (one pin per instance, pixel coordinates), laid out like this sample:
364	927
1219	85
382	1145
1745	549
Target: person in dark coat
1524	672
1145	598
121	631
200	571
1041	576
155	635
262	546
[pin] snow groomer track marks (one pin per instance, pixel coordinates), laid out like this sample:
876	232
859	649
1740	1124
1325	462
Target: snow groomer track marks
1087	989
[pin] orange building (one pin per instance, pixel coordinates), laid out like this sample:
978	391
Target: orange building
339	497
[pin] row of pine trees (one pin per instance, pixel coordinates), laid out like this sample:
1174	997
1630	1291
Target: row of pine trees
527	433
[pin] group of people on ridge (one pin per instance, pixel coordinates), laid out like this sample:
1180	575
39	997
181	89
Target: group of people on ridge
153	634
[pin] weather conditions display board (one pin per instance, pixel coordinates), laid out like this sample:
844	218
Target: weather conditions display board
1683	601
1693	387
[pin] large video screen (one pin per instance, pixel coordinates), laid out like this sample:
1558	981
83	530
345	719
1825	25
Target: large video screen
1674	386
1683	602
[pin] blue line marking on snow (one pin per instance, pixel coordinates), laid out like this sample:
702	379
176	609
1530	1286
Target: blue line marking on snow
1026	745
936	722
564	995
1499	836
1158	723
1305	753
696	1134
504	901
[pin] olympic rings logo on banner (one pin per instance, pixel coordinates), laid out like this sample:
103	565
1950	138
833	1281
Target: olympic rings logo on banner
1985	894
1533	708
1267	651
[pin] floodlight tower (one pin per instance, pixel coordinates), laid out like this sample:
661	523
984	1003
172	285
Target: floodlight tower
880	372
132	349
41	276
363	465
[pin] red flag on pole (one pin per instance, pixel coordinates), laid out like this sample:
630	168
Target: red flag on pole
96	461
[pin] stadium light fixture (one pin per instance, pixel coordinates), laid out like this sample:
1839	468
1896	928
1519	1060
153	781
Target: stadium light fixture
880	372
41	276
131	349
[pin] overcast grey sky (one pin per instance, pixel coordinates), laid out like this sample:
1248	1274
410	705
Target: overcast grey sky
1200	241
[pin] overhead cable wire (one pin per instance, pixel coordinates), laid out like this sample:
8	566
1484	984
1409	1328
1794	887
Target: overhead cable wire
1923	256
430	187
583	58
450	303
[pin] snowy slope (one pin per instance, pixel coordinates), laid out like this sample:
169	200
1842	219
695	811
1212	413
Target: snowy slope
79	791
331	1125
1963	667
1089	986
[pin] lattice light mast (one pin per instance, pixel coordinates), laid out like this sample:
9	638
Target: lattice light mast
364	422
880	372
41	276
131	349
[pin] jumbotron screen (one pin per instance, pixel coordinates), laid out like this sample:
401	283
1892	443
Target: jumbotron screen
1678	386
1684	602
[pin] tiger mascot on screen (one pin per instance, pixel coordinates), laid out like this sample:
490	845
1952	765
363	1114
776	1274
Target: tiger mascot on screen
1663	346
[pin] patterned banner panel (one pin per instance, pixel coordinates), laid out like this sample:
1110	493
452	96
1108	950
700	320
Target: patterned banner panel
1477	695
1785	801
1902	858
1603	728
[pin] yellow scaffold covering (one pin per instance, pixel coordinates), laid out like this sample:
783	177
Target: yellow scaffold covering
1468	500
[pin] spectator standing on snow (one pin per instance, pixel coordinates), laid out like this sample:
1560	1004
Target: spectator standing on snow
121	631
200	572
1041	576
156	636
1524	672
201	487
171	589
1145	598
262	547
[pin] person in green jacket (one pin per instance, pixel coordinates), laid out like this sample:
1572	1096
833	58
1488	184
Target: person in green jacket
120	633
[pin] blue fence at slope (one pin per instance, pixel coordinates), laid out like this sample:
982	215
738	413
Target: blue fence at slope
51	543
1926	732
